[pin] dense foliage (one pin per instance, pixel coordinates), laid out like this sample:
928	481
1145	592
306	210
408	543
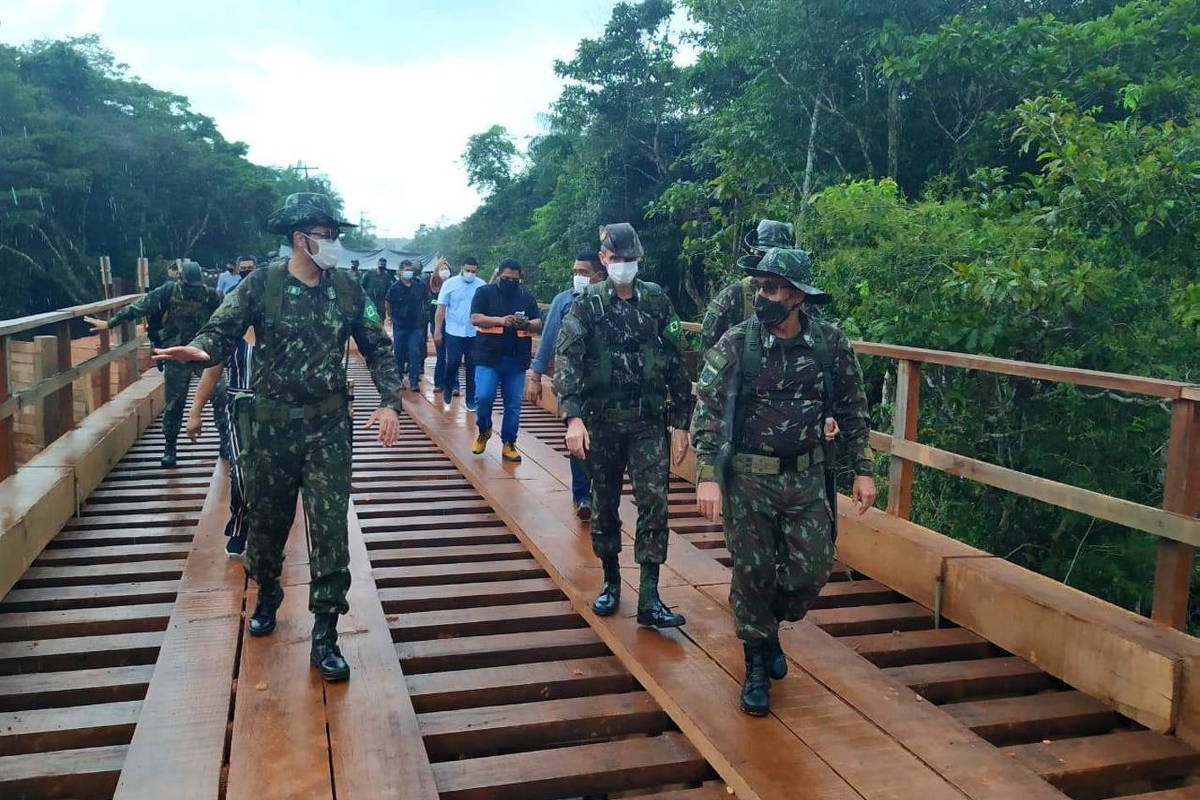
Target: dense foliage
1017	178
95	162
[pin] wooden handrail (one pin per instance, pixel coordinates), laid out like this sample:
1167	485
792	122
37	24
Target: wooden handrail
9	327
48	386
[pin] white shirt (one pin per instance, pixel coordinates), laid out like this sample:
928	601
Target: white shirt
456	295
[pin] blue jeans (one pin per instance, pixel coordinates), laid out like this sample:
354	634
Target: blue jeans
409	346
581	484
458	350
509	377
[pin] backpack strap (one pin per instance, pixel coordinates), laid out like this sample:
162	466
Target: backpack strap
343	286
273	297
825	359
753	355
747	297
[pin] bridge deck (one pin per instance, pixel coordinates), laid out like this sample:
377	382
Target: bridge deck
479	669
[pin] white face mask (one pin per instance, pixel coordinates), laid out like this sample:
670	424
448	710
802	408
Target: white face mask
623	272
408	274
328	252
468	277
443	273
580	282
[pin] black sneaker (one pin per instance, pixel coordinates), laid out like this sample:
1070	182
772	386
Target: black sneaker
235	546
584	510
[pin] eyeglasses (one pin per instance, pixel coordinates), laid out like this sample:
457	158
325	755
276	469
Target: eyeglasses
326	237
767	286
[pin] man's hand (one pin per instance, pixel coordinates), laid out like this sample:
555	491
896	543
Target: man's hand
864	493
577	440
389	425
181	353
96	323
533	388
192	429
708	498
679	446
509	320
831	428
437	340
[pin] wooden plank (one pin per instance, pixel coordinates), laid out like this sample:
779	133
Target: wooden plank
113	594
1175	560
474	731
904	426
61	382
916	647
446	574
49	655
604	767
483	620
1076	765
74	687
949	681
412	556
518	683
8	455
96	725
1013	720
89	774
27	323
84	622
472	652
1167	524
466	595
98	574
882	618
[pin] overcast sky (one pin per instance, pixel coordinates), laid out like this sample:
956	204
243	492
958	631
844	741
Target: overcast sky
397	85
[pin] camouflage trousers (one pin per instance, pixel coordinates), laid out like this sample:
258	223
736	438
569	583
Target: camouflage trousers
779	539
284	457
177	378
620	444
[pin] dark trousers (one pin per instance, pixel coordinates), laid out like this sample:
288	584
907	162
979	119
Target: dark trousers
237	481
620	444
459	349
409	347
581	484
439	365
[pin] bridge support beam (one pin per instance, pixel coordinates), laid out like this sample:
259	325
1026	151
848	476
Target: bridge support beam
1181	494
904	426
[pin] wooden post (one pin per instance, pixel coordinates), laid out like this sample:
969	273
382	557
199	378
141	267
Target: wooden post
106	276
45	410
8	454
143	274
1181	494
126	367
904	426
104	389
61	411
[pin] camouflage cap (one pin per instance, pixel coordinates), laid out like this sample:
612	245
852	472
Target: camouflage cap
620	239
794	266
769	233
191	274
305	208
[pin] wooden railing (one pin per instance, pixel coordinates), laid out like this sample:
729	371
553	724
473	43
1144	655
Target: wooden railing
54	391
1175	523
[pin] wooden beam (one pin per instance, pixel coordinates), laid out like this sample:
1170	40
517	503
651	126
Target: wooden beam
63	380
904	426
8	456
1166	524
19	324
60	409
1181	495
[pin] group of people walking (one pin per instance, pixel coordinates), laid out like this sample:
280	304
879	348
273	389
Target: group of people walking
779	394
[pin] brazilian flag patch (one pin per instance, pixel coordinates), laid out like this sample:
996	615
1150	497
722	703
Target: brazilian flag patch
674	328
369	312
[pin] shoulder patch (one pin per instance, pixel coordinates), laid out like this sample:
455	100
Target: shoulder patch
369	313
674	328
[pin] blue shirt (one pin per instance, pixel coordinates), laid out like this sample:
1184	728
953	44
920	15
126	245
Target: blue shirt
559	307
456	295
227	282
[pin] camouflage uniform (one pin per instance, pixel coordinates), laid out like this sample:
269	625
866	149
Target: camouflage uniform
376	285
620	368
735	303
778	527
297	425
180	310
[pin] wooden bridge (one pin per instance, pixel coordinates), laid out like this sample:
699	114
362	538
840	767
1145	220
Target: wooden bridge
928	670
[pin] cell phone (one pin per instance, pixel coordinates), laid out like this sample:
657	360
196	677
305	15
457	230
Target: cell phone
520	315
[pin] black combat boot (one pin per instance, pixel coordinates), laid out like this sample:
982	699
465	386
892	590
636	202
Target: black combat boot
262	621
777	665
606	602
756	697
652	612
168	456
326	656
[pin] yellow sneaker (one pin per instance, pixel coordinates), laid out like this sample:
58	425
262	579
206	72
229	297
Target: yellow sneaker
481	442
509	452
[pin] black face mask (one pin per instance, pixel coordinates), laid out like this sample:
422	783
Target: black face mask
508	285
771	312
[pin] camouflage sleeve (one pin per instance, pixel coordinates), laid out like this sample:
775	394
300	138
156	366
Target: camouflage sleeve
722	314
376	349
850	403
679	385
569	351
712	395
227	325
154	302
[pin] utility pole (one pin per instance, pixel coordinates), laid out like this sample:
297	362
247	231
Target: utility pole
302	167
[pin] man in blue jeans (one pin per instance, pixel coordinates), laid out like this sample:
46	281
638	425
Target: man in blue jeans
586	270
452	325
407	303
506	316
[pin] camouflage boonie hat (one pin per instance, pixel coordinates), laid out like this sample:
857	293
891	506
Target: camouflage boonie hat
620	239
305	208
191	274
794	266
769	233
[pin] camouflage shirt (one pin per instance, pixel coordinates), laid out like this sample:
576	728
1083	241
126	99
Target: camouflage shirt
727	309
620	332
178	314
784	412
376	284
302	360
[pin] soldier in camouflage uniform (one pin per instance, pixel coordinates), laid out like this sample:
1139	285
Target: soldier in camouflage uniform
621	380
376	285
296	423
735	303
182	307
772	395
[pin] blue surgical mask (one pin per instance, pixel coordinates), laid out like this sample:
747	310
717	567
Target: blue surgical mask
468	277
408	274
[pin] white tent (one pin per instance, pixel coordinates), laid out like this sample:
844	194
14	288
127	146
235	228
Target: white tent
367	259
